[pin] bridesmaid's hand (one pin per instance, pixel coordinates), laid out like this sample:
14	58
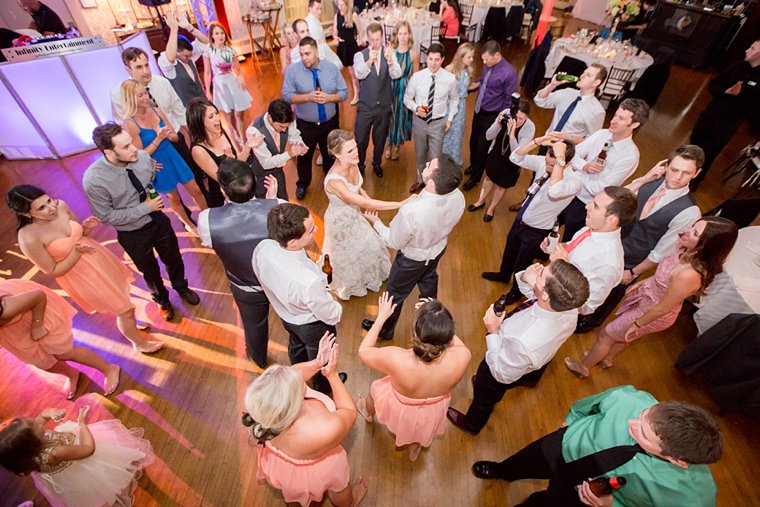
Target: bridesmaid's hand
630	333
83	248
54	414
326	343
386	307
38	331
88	224
422	301
331	368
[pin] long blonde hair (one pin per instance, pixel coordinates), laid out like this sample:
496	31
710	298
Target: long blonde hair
457	63
394	37
129	89
348	16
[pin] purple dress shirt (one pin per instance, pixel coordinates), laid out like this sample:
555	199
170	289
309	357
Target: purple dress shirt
502	83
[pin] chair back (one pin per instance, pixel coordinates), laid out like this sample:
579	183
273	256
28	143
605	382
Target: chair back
466	12
617	84
572	66
387	33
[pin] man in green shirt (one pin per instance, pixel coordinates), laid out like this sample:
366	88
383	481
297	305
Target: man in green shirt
662	449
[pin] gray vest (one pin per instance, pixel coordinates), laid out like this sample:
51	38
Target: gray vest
375	89
642	236
236	230
260	125
183	84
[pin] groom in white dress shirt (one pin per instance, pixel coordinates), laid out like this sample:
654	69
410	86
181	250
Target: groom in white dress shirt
295	285
420	232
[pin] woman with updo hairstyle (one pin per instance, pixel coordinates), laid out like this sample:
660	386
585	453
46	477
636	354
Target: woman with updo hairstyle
359	258
299	430
413	397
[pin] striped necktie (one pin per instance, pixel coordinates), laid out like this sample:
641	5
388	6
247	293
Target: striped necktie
522	306
431	98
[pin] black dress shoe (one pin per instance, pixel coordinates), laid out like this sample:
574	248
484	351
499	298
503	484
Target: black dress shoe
189	296
343	376
487	217
367	324
584	326
468	171
469	184
378	171
457	418
485	470
473	207
495	276
300	193
166	310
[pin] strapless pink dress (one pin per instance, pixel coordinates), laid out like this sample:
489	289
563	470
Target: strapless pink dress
411	420
305	480
14	336
99	281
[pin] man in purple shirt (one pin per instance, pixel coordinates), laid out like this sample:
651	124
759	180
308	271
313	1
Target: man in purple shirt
498	82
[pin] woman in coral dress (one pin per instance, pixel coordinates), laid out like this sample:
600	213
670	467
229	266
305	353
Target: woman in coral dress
412	399
52	237
77	464
653	305
299	430
35	326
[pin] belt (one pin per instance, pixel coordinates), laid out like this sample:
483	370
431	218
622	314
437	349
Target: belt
317	123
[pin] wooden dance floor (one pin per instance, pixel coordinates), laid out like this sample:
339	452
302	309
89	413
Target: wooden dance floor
189	396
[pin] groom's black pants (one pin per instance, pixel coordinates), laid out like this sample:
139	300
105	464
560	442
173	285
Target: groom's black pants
405	274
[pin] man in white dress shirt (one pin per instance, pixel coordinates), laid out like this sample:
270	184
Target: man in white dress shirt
622	160
666	209
577	113
429	93
295	285
522	343
314	20
597	249
555	186
420	232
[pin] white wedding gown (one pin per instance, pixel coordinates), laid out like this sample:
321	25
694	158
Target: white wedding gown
359	258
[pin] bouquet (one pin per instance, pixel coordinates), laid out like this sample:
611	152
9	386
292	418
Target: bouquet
622	10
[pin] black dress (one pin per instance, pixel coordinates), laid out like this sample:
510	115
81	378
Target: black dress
348	48
499	168
214	196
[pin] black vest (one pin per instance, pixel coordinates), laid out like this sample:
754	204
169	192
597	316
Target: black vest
376	89
183	84
642	236
236	230
260	125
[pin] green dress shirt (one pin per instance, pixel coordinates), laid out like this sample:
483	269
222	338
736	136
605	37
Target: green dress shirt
601	421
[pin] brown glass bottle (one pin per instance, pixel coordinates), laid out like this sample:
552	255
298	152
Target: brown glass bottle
500	305
602	486
602	157
327	269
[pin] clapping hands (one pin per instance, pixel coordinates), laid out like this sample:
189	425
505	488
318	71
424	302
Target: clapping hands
270	184
88	224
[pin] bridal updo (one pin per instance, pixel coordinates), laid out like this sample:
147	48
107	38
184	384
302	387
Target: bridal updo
273	402
432	331
336	139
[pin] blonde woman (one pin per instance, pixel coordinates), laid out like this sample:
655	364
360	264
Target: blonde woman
400	129
461	67
300	431
345	32
291	41
152	131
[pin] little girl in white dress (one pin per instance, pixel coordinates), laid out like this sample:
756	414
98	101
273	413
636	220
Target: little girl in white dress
76	465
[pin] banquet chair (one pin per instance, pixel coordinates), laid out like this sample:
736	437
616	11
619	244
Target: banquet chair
568	65
617	85
466	25
387	33
435	36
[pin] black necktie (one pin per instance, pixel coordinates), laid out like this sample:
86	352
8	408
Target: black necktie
153	101
532	191
596	464
141	193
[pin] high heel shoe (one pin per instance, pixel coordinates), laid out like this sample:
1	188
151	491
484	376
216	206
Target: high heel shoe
576	367
475	207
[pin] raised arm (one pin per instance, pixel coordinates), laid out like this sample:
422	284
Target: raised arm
339	188
171	44
380	359
207	74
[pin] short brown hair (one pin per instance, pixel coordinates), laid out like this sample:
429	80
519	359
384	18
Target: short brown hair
285	222
567	287
448	176
103	136
374	28
307	41
432	331
601	72
689	152
686	432
624	204
130	55
639	108
491	47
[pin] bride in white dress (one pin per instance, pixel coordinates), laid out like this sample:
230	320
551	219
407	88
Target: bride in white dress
358	256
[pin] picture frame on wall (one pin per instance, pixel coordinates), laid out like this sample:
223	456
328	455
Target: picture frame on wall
89	4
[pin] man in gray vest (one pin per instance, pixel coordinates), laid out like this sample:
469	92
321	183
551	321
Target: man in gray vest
177	63
666	208
374	68
282	141
234	231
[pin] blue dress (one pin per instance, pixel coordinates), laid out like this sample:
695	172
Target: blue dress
174	170
400	129
452	141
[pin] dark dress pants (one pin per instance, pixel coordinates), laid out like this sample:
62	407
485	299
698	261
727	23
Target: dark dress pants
478	142
314	135
405	274
254	314
488	391
303	346
261	174
378	119
574	218
523	245
140	244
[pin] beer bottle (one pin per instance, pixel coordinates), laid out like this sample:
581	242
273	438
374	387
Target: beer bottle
602	157
500	305
553	238
327	269
152	194
602	486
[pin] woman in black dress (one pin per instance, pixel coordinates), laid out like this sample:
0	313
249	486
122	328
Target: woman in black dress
507	134
345	31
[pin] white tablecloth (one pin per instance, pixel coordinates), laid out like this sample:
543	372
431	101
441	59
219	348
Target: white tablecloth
591	10
480	10
565	47
421	21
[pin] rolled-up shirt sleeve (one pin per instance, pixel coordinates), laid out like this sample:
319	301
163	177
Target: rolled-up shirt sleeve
101	205
398	234
322	305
